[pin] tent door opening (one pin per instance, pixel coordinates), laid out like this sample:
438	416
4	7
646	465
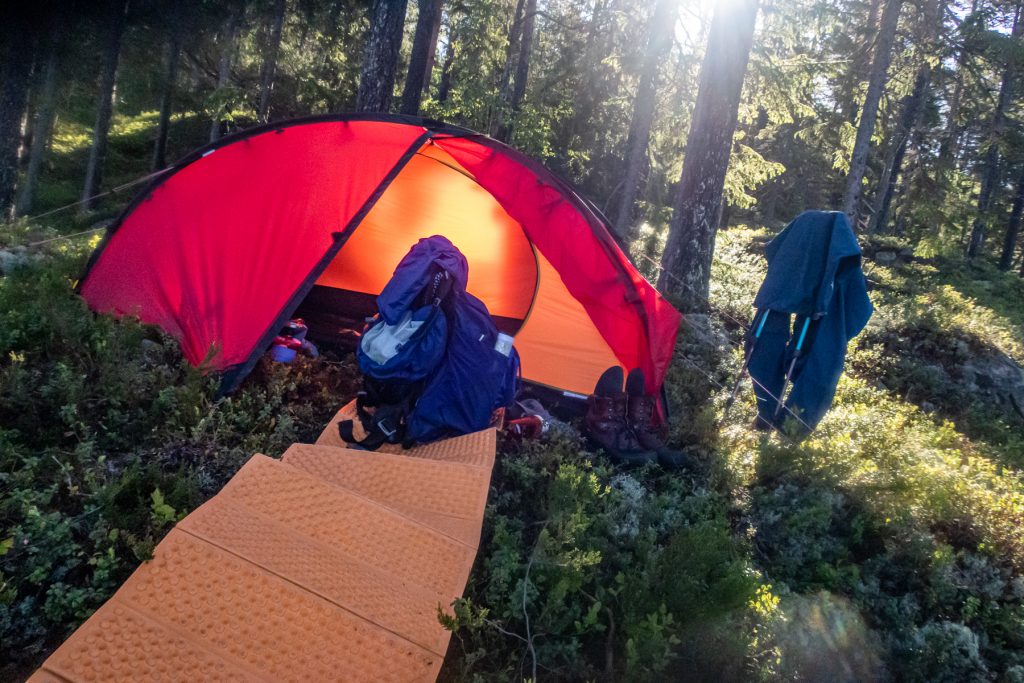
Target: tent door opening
432	195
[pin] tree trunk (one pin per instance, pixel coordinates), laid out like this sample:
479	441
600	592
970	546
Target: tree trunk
335	19
445	86
380	59
771	201
227	50
105	107
901	208
990	174
29	113
269	68
522	70
659	39
686	263
890	175
933	16
869	113
523	62
43	126
949	147
166	100
860	62
1013	226
592	90
15	76
421	61
515	31
435	31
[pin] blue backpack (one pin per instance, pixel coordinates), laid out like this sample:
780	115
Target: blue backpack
432	361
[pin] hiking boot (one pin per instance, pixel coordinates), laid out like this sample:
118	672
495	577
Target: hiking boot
606	425
642	422
641	417
606	421
610	382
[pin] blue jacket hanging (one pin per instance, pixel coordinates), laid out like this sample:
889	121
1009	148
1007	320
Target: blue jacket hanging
814	275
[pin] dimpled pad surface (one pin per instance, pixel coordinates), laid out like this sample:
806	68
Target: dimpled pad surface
121	644
328	570
44	676
477	448
248	615
352	524
347	581
449	497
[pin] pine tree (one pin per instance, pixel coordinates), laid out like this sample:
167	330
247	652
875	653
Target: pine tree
991	168
46	107
228	35
115	20
421	60
869	112
659	37
522	71
1013	224
170	75
380	58
686	262
269	67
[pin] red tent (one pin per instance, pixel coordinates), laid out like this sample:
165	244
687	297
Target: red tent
312	216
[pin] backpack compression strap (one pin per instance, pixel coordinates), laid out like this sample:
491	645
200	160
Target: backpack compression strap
386	424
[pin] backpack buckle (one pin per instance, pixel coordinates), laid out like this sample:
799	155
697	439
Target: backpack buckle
382	426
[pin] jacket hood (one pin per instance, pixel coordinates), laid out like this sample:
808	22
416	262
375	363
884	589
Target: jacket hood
803	261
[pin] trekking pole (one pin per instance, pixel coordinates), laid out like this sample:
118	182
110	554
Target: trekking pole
792	365
746	363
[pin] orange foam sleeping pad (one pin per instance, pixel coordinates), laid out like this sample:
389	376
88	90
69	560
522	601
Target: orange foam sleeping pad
329	565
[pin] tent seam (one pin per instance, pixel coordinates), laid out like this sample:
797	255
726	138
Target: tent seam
232	377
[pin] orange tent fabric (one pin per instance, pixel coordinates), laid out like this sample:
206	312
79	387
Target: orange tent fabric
313	215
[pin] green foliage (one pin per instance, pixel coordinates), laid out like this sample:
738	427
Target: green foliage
857	554
748	170
609	573
889	545
941	323
107	437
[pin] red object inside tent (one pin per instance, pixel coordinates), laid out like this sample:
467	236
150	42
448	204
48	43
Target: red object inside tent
225	246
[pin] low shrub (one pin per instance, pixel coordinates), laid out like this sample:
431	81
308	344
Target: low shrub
107	436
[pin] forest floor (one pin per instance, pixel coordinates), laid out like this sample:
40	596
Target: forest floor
888	545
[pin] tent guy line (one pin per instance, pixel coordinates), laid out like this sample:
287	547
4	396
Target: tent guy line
112	191
736	344
573	315
72	236
721	386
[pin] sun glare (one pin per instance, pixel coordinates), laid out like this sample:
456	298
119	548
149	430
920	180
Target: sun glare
693	20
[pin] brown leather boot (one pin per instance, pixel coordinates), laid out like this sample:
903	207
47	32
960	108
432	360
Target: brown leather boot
606	424
641	419
642	414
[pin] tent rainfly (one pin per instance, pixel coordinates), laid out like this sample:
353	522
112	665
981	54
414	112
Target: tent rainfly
311	216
